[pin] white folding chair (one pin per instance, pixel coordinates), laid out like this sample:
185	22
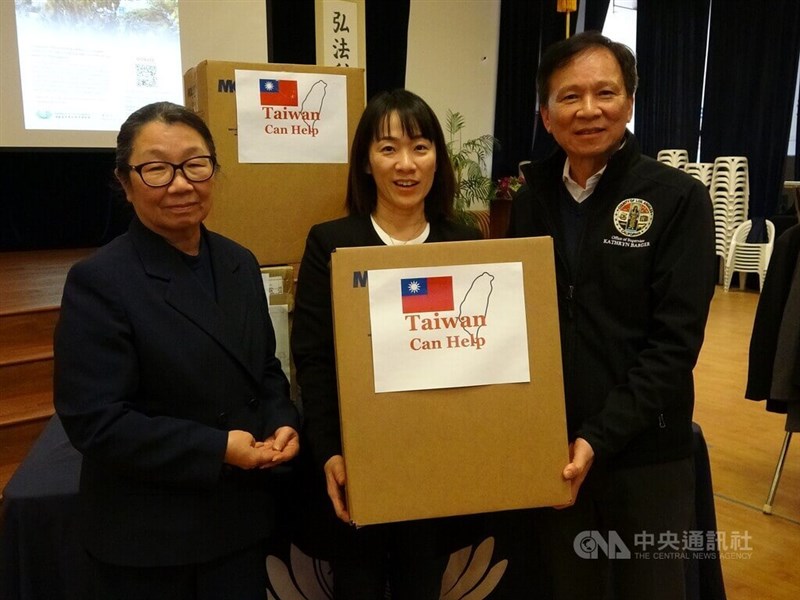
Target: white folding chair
746	257
673	157
701	171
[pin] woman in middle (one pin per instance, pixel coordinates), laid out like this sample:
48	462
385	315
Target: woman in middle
400	191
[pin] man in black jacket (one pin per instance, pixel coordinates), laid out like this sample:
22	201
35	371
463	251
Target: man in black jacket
634	243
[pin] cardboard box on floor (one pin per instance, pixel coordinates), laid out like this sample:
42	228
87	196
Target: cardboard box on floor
279	286
440	452
267	207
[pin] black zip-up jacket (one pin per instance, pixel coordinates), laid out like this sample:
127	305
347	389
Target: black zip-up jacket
633	309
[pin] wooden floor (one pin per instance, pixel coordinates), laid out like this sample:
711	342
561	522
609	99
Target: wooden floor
744	443
34	280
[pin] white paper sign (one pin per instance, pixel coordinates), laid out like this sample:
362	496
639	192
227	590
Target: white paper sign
287	117
454	326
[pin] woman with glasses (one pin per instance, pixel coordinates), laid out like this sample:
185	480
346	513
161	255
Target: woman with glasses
166	381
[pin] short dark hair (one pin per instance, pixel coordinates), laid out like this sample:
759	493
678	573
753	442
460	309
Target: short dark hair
416	119
561	53
166	112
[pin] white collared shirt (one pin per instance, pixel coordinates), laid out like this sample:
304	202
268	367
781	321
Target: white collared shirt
575	189
390	241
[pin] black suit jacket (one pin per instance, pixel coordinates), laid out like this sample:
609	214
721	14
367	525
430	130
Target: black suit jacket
151	373
317	529
768	320
312	328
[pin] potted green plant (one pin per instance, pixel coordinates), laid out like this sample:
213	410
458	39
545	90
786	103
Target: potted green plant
473	188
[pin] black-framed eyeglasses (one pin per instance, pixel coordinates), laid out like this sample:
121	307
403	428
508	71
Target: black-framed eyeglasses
160	173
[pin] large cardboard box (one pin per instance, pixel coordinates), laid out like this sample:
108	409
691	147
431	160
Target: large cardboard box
268	208
453	450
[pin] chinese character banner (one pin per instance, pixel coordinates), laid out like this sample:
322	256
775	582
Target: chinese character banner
340	34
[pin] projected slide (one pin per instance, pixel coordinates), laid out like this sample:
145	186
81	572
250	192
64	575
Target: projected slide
88	65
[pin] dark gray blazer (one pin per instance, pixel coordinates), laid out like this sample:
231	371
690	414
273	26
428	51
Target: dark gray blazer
151	373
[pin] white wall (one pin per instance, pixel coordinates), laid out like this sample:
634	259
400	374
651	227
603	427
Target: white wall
452	58
231	30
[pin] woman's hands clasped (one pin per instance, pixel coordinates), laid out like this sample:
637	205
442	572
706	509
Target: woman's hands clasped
245	452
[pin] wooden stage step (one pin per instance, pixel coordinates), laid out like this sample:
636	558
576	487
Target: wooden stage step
27	336
31	284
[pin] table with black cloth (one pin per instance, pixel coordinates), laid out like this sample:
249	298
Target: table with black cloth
40	552
41	557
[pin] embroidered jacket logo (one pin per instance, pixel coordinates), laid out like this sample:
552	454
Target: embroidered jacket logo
633	217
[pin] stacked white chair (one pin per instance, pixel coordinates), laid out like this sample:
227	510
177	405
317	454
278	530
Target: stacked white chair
673	158
730	196
701	171
744	257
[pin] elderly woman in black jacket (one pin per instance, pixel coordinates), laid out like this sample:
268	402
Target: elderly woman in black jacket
166	381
